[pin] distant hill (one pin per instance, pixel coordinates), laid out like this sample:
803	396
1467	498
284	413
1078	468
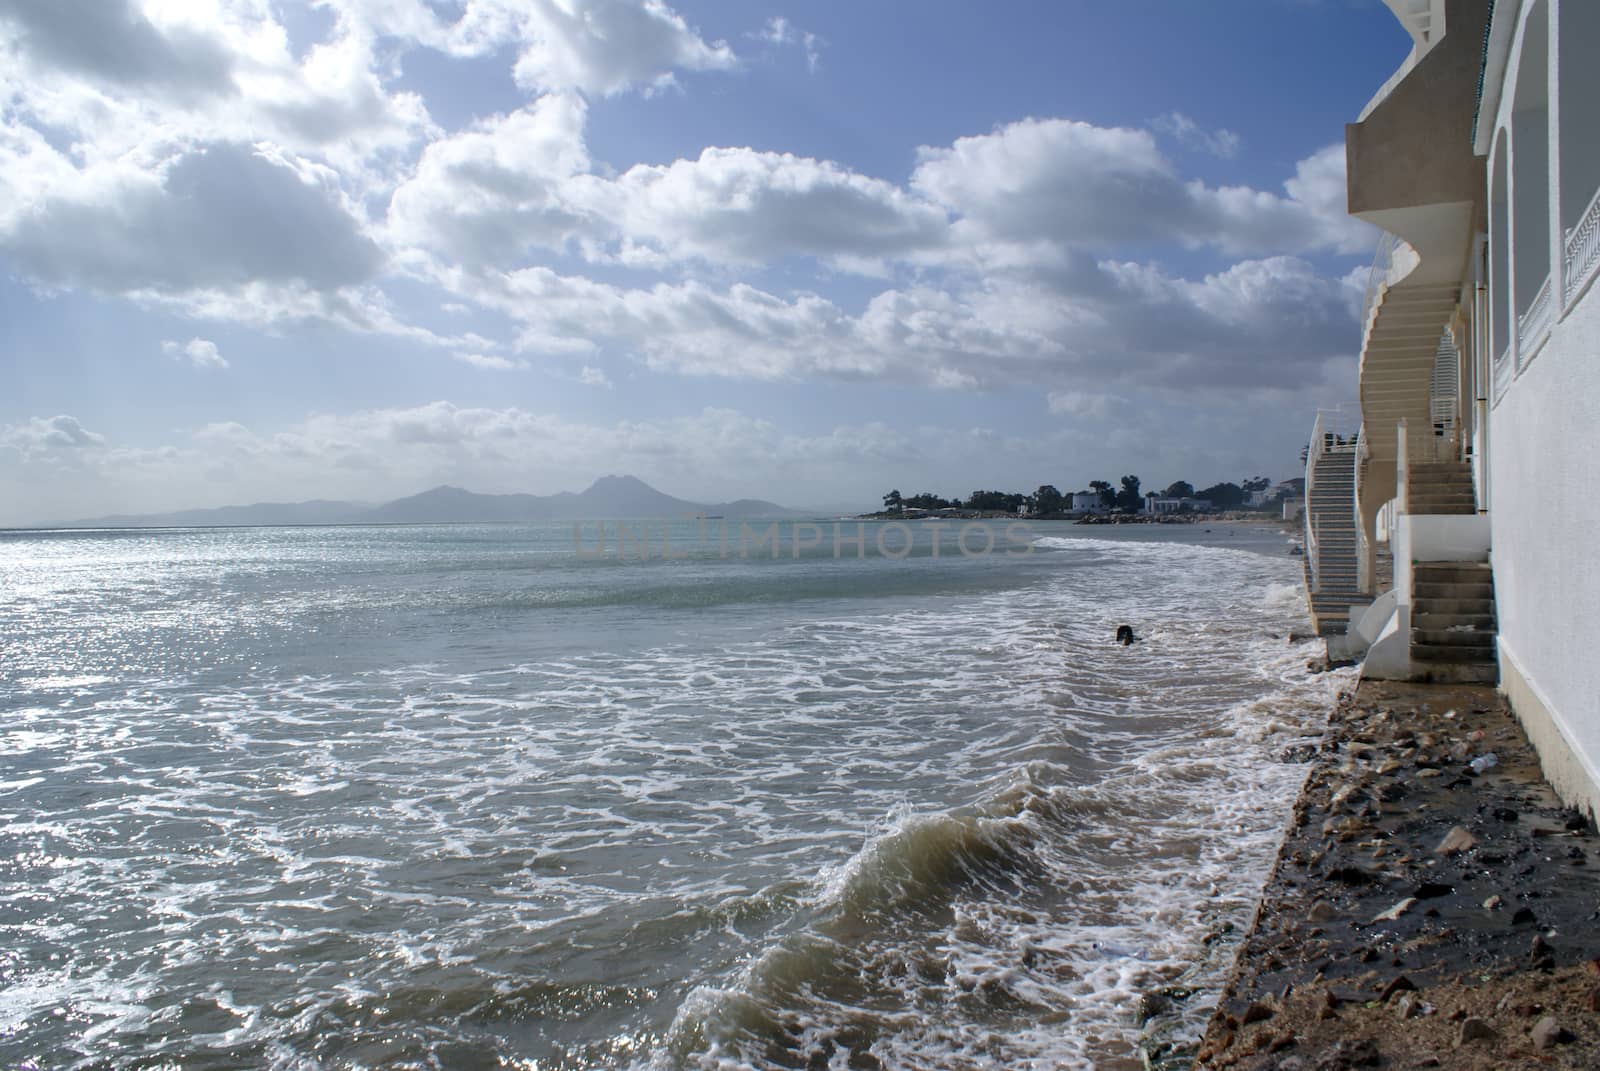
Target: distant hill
608	498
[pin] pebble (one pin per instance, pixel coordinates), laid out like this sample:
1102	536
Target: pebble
1475	1029
1494	903
1396	911
1322	911
1456	841
1547	1034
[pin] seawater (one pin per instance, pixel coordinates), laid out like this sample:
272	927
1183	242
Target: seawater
465	797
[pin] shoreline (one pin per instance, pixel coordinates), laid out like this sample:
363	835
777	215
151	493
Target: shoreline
1430	905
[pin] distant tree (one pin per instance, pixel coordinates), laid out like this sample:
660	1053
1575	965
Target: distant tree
1108	497
1255	484
893	502
1223	495
927	500
1129	498
994	501
1048	500
1179	489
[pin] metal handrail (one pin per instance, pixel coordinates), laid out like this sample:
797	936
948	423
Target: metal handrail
1402	471
1363	546
1378	276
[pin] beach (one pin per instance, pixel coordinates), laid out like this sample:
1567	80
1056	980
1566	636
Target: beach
1433	903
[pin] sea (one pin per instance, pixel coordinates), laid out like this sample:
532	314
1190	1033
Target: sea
702	794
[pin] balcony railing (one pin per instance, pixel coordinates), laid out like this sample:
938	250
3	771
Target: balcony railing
1533	324
1502	372
1583	249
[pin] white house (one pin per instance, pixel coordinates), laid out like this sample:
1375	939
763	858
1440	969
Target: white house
1480	373
1087	502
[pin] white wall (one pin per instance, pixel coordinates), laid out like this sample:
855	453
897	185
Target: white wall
1545	518
1546	525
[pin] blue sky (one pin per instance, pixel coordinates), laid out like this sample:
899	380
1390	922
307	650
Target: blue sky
282	249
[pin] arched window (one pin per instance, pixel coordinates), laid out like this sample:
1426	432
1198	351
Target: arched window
1530	184
1500	266
1578	92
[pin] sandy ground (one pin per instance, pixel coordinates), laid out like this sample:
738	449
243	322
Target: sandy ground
1431	906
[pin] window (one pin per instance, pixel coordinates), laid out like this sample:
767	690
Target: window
1500	267
1530	185
1578	97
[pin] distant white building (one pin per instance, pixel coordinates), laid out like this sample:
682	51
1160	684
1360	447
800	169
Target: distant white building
1154	503
1087	502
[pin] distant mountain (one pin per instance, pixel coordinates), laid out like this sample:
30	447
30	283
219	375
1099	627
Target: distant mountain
608	498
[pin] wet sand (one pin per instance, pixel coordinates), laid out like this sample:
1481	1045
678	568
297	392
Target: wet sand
1431	906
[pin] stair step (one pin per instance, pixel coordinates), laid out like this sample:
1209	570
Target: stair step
1434	622
1447	637
1452	653
1451	589
1457	673
1453	572
1424	607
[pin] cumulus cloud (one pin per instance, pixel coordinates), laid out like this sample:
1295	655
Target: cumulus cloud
590	376
488	193
199	352
1078	184
214	218
41	436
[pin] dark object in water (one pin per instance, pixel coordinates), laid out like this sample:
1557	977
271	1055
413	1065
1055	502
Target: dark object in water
1125	635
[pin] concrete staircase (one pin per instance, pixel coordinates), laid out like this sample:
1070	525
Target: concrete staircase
1453	622
1452	603
1332	508
1440	487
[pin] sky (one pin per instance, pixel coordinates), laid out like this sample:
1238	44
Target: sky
275	250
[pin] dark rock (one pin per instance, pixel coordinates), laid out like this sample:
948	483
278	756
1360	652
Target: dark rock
1504	814
1257	1012
1350	875
1475	1029
1523	917
1398	984
1431	890
1348	1054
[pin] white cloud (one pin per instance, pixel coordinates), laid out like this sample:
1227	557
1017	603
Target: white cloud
489	193
199	352
780	31
214	218
594	377
46	436
739	206
1082	185
1222	143
490	362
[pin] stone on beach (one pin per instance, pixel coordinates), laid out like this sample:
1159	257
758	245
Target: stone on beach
1456	841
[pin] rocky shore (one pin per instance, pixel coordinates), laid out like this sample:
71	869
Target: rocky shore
1433	903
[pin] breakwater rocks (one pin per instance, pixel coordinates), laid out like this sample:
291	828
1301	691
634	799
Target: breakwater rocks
1433	903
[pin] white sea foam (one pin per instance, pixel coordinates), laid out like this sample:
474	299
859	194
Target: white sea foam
954	834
